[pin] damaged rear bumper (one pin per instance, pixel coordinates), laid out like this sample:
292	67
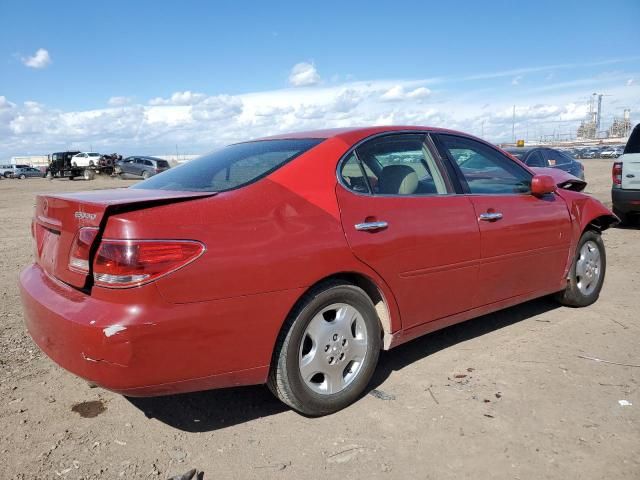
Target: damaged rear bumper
140	345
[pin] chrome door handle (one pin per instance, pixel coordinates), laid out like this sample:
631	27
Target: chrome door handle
371	226
490	216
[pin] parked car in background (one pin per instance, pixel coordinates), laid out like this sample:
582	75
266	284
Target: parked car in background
9	170
294	260
27	172
86	159
625	191
591	152
143	167
611	152
548	158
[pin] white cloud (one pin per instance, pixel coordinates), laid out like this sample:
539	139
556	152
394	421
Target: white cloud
40	59
220	107
179	98
303	74
516	80
198	122
397	93
119	101
5	104
420	92
630	82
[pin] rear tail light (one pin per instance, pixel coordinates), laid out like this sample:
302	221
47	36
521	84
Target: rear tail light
129	263
616	173
80	249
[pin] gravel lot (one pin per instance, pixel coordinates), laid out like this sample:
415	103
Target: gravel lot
501	396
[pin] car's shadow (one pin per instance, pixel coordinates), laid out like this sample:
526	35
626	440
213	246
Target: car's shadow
216	409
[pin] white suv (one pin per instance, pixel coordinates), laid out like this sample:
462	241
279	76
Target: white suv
625	191
86	159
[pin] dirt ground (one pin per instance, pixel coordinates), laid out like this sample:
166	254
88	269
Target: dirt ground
502	396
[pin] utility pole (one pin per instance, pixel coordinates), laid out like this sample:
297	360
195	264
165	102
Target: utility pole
513	125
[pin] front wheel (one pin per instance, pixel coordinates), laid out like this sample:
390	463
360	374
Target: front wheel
587	272
22	177
327	350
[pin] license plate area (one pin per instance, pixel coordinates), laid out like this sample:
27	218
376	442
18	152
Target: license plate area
47	241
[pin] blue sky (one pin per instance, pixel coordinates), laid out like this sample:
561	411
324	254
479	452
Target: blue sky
197	74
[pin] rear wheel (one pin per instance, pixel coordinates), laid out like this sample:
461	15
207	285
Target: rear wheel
22	176
145	175
587	272
327	350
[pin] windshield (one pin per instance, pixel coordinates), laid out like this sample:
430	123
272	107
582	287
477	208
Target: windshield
230	167
93	154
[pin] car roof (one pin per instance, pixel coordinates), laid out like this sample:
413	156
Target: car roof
145	157
355	134
520	149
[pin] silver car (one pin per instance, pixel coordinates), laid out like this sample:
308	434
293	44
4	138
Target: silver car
27	172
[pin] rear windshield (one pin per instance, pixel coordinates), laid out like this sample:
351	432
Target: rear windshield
633	144
162	163
230	167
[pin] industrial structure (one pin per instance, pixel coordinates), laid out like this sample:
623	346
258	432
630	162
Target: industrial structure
621	127
591	127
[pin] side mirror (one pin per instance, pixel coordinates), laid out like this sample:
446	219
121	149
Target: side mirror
542	185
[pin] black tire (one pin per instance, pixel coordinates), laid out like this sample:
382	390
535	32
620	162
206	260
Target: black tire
573	296
145	175
285	378
22	177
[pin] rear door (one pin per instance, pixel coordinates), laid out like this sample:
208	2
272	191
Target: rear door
524	239
402	218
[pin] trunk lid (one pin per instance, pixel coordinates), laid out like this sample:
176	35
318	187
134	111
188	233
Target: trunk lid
630	171
58	218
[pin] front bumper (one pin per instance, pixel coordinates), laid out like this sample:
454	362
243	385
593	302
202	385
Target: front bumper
140	345
625	201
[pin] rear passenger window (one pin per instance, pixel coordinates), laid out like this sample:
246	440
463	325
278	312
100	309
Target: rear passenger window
485	170
354	175
554	157
535	159
394	165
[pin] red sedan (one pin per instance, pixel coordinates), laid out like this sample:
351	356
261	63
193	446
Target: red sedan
293	260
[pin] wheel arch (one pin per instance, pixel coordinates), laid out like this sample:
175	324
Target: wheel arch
385	306
601	223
